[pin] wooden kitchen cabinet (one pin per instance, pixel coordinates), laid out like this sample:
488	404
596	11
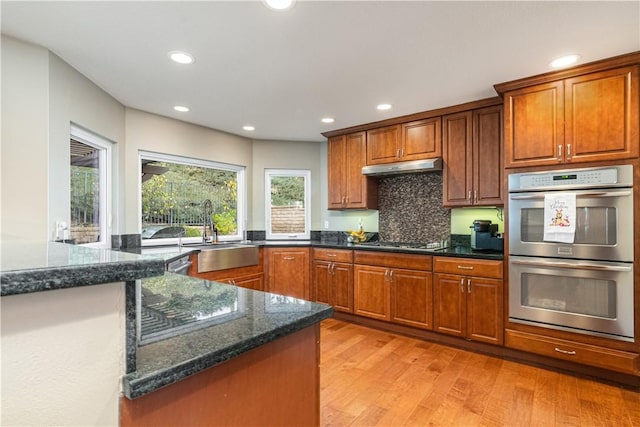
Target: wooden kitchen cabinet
472	154
288	271
332	278
468	300
416	140
348	188
247	277
590	114
393	287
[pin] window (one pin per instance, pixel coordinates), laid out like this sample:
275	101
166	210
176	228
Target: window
287	204
90	185
190	199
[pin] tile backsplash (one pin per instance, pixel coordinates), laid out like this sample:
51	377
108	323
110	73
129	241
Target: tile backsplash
410	208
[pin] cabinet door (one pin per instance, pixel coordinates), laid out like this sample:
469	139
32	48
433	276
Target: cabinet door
411	298
371	292
255	282
602	116
484	310
289	272
449	304
342	286
360	191
421	139
457	156
383	145
337	171
487	156
534	125
322	282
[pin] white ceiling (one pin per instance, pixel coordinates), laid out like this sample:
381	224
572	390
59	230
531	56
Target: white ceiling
283	71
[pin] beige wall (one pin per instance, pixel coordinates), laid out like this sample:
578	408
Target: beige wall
74	98
63	357
25	137
150	132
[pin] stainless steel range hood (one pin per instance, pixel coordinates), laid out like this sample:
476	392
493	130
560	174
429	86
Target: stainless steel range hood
414	166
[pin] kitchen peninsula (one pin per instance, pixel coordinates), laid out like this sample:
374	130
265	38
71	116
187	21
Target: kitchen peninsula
69	351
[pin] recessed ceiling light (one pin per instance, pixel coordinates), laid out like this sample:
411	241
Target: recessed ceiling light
279	4
328	120
181	57
249	128
384	107
181	108
564	61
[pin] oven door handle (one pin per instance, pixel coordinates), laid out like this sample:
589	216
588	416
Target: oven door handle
592	195
572	265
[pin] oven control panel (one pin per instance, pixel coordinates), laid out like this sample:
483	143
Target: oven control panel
572	178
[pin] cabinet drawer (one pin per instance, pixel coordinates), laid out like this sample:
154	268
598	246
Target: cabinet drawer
468	267
614	360
335	255
393	260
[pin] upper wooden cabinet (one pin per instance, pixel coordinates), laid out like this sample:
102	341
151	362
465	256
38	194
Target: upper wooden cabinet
472	154
348	188
414	140
585	114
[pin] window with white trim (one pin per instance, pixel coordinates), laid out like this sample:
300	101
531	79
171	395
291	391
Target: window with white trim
90	188
287	204
190	200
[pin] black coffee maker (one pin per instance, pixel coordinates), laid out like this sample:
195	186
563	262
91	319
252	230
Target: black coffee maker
484	236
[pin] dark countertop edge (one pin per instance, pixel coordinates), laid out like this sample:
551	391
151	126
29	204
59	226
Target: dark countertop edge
466	252
134	386
46	279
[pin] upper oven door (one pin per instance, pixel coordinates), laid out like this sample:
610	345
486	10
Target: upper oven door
604	226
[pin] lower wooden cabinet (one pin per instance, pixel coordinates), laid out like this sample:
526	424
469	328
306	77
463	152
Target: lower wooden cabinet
247	277
468	306
614	360
384	290
332	278
288	271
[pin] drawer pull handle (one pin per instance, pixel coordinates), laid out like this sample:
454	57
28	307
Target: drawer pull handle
464	267
288	258
332	255
571	353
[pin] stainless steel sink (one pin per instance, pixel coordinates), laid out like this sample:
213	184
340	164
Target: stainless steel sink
221	256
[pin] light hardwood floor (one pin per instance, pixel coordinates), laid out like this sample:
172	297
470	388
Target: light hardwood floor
375	378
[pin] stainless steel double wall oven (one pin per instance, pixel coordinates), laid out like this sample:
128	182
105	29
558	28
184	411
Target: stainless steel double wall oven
585	286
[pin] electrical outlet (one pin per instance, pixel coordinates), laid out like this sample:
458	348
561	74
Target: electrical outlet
326	225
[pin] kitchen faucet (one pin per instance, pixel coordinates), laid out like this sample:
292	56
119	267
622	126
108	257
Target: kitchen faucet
207	212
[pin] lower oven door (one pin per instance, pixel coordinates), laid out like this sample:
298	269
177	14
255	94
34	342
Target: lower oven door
588	297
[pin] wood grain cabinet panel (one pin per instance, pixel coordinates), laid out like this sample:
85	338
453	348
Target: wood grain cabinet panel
472	154
251	277
416	140
468	305
588	117
332	281
371	292
348	188
385	289
288	271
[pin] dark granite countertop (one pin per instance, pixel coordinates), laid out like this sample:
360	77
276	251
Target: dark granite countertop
208	324
171	252
30	266
460	251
